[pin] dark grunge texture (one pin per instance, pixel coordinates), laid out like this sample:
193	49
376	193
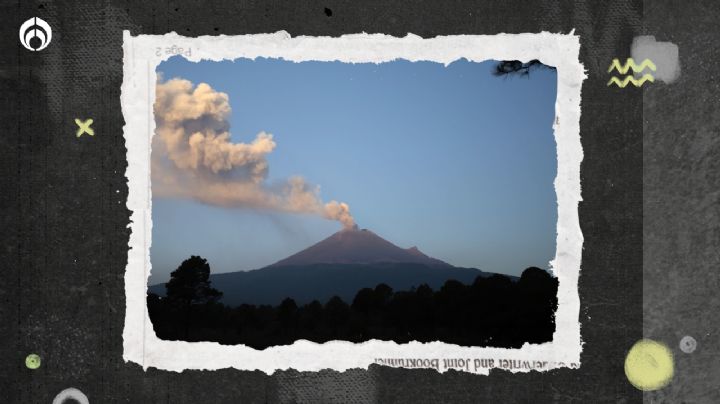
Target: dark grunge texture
65	223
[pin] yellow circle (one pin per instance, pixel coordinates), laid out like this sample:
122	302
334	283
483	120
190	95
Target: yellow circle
649	365
32	361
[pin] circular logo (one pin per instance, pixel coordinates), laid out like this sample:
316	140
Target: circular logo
35	34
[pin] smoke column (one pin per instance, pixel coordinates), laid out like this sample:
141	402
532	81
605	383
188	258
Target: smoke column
194	158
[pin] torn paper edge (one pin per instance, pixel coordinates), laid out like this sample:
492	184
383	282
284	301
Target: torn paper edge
142	55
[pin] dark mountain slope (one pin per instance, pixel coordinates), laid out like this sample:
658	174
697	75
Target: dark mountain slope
339	265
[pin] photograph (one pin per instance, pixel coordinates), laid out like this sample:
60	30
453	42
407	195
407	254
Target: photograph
404	201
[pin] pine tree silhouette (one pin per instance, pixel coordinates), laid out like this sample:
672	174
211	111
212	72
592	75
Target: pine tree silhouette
190	285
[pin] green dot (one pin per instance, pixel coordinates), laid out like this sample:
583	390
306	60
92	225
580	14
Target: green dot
32	361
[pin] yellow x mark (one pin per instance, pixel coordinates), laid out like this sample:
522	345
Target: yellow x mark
84	127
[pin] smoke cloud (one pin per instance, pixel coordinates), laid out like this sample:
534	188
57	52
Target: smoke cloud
193	157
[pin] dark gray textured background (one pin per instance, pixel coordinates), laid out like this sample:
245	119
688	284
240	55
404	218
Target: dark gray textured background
681	201
650	206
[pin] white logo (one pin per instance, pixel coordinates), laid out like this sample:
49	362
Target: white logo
38	30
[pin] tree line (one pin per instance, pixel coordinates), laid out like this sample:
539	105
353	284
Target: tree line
492	311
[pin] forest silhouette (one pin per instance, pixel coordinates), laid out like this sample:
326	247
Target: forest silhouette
492	311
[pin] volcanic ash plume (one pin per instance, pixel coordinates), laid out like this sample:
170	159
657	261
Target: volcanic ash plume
194	158
340	211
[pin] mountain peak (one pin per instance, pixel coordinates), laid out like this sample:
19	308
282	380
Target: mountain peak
358	246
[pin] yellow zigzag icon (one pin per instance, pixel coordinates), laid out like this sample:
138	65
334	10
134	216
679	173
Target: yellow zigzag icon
630	63
630	79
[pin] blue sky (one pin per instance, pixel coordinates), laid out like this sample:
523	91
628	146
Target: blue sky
453	160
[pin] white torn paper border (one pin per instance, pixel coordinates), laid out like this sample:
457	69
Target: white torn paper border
142	54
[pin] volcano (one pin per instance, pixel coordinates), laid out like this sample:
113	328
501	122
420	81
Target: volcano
340	265
353	246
